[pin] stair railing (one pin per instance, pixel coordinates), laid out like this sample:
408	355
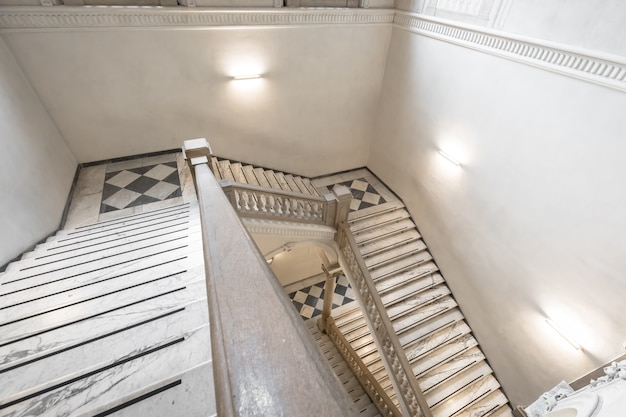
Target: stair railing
409	394
265	363
253	201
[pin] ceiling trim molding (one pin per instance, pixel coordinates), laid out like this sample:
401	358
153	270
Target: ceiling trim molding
596	67
41	18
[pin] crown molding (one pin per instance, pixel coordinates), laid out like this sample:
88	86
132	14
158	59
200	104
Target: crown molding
599	68
61	17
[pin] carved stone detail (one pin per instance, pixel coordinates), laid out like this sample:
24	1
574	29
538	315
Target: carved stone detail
605	70
35	18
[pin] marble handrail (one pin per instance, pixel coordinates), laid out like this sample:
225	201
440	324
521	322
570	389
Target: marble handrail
409	394
264	361
260	202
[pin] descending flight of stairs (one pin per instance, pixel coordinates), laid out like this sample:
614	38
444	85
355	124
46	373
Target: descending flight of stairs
444	356
109	319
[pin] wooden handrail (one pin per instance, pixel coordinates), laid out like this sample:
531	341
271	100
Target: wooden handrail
409	394
265	363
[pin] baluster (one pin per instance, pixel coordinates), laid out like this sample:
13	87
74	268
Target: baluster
263	203
255	200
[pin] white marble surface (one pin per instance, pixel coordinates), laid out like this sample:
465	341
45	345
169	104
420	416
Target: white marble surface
436	339
90	180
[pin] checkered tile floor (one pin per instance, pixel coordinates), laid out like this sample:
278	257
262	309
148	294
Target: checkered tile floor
136	186
363	194
309	301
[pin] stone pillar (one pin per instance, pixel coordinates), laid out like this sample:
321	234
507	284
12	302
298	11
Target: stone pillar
329	289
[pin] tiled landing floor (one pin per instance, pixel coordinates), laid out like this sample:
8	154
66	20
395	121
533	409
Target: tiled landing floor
309	300
117	189
367	190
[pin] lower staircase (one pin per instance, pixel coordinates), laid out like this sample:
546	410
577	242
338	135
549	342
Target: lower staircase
109	319
450	368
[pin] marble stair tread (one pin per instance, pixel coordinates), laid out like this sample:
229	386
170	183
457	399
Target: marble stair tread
431	326
237	171
468	396
261	178
442	354
56	253
250	177
417	317
355	324
442	392
67	364
400	265
451	367
305	185
292	184
397	289
26	326
53	339
116	226
365	350
372	360
271	179
97	291
165	263
96	390
347	316
393	255
124	245
375	235
214	164
415	301
494	405
225	171
390	242
95	265
379	221
376	210
282	182
188	394
430	341
361	341
356	333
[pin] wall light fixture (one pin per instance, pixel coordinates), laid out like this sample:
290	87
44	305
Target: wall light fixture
247	77
449	158
564	335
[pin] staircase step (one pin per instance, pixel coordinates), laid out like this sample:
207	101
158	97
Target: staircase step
292	184
374	211
402	284
96	389
447	333
99	353
415	301
282	182
440	393
304	184
271	179
393	255
261	178
375	235
400	265
452	367
379	221
386	244
488	407
440	321
442	354
237	171
250	177
165	398
215	168
225	171
468	396
412	322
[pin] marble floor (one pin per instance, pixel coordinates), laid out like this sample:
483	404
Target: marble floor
117	189
309	299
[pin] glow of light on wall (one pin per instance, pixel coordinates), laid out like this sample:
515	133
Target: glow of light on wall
246	77
450	158
565	334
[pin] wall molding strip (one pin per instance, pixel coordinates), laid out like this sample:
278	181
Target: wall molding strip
29	18
596	67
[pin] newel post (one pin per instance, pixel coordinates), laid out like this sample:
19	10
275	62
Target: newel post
332	273
344	197
197	151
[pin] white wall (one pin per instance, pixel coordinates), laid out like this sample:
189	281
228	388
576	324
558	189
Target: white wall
122	92
36	166
533	224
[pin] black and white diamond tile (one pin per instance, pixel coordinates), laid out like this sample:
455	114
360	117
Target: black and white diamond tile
142	185
309	301
364	194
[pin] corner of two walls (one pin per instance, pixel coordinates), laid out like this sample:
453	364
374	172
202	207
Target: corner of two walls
532	224
36	166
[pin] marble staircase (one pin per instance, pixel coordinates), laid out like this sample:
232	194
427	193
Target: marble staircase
109	319
249	174
450	368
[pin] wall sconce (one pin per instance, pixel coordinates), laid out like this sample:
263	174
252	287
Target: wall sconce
564	335
449	158
246	77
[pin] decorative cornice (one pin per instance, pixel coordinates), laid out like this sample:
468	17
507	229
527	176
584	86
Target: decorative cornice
15	18
300	230
604	69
